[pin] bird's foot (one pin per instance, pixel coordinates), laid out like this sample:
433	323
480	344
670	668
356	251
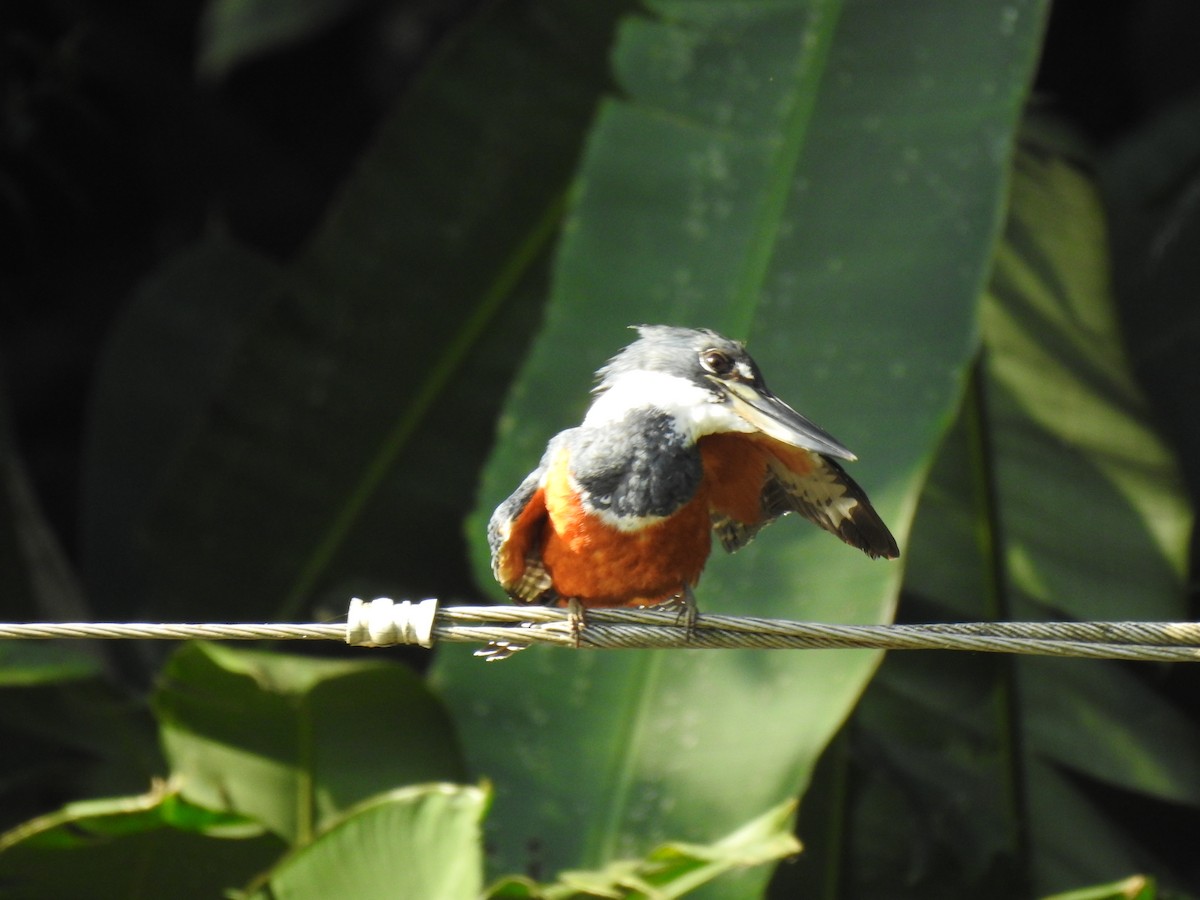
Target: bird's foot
576	620
688	611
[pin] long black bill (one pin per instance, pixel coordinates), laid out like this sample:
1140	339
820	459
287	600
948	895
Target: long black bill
776	419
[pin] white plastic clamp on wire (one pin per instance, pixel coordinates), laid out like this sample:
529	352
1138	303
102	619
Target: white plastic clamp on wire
382	622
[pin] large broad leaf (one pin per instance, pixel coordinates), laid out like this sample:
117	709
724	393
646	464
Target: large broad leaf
291	741
327	439
422	841
152	845
1151	181
1052	498
1062	382
824	179
162	365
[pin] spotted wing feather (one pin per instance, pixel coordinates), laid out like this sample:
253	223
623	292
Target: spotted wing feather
825	495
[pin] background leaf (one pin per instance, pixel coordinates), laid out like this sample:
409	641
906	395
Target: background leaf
235	31
381	357
163	364
64	740
766	178
1151	183
416	842
672	870
1135	887
291	741
1052	498
152	845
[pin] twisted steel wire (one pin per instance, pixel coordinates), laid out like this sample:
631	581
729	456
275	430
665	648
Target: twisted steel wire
519	626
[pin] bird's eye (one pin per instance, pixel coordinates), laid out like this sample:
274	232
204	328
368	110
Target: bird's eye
718	362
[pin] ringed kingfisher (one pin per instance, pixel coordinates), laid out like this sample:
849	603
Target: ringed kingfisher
683	439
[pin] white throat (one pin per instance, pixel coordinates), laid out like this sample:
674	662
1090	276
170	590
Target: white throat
696	411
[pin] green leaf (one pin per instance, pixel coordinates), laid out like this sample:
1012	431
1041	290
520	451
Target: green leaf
422	841
1053	497
235	31
1135	887
166	359
1050	329
291	741
1149	181
153	845
24	663
674	869
1105	539
343	438
768	175
77	738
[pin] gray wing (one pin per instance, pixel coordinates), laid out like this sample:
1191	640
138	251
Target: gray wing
509	511
515	536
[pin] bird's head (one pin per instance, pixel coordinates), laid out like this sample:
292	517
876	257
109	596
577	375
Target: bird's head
706	383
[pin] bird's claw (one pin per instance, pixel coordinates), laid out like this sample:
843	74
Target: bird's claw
576	620
688	611
495	651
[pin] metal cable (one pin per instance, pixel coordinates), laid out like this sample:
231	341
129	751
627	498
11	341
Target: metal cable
509	628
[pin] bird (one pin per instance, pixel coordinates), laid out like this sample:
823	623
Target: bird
683	440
